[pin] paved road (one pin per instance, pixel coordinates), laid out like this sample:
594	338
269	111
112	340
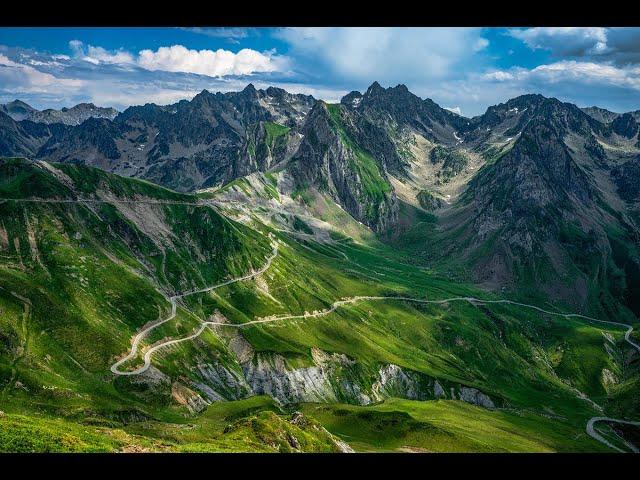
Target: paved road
591	431
174	303
332	308
147	201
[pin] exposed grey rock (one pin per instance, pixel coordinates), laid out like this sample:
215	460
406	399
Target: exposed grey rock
393	381
438	391
326	160
476	397
330	377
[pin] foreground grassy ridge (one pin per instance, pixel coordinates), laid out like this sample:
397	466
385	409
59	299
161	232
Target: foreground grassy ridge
80	281
447	426
258	425
252	425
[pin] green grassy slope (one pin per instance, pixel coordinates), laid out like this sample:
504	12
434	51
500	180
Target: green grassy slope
78	280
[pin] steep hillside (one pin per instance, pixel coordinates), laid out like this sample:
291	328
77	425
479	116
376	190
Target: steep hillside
330	159
535	195
543	216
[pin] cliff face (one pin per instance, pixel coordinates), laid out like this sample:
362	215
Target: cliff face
330	159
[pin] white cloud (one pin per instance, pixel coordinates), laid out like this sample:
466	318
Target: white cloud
98	55
178	58
454	110
571	71
620	45
125	94
387	54
572	41
20	78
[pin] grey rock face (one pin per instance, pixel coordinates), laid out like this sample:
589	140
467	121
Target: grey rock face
476	397
329	159
330	377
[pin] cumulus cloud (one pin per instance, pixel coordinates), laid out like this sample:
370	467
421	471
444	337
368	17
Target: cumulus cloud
572	41
178	58
98	55
571	71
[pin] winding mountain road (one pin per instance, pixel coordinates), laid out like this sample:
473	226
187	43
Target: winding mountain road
592	432
147	201
174	305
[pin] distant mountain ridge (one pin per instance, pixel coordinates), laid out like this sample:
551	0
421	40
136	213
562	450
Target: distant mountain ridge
19	111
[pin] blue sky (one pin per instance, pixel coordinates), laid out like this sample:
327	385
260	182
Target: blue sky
464	69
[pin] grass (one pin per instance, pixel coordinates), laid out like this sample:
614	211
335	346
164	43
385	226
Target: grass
274	132
447	426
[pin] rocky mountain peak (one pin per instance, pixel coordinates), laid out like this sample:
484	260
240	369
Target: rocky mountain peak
250	92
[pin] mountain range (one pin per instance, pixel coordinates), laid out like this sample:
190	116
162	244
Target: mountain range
515	191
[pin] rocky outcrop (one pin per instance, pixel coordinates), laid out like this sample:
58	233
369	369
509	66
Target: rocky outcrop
326	378
475	396
331	160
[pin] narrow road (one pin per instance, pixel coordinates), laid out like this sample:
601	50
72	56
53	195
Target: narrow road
339	303
174	305
148	201
320	313
591	431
